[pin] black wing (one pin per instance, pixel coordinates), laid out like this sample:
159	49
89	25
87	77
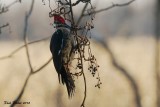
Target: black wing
57	45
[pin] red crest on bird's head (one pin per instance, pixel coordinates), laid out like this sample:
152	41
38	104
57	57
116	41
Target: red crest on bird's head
58	18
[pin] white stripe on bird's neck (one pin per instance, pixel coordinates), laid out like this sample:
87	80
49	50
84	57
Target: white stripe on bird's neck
63	28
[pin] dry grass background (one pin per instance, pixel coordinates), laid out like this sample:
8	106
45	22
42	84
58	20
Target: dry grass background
136	54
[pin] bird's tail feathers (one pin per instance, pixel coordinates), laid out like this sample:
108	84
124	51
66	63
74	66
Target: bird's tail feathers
66	78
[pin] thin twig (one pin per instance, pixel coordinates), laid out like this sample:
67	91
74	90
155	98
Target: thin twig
6	8
68	3
72	21
81	16
85	84
3	26
110	7
14	2
21	47
41	67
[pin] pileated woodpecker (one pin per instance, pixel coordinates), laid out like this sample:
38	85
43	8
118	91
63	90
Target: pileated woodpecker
62	46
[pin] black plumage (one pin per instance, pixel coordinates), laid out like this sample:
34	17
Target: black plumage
61	47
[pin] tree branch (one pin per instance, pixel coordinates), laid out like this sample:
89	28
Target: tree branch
110	7
26	81
157	50
27	52
25	35
6	8
44	65
124	72
22	91
81	16
3	26
21	47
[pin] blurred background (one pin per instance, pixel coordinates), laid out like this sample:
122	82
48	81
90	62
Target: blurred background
124	41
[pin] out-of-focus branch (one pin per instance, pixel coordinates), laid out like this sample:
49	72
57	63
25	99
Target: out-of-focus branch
81	16
6	8
26	81
27	52
44	65
3	26
25	34
3	10
110	7
21	47
123	71
21	93
73	4
157	50
14	2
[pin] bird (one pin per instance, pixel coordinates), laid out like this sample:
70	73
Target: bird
62	47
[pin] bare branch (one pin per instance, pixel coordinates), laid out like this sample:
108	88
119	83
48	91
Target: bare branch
7	24
26	81
157	50
124	72
72	21
14	2
27	52
3	26
73	4
44	65
110	7
22	91
21	47
85	84
80	18
25	35
6	8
